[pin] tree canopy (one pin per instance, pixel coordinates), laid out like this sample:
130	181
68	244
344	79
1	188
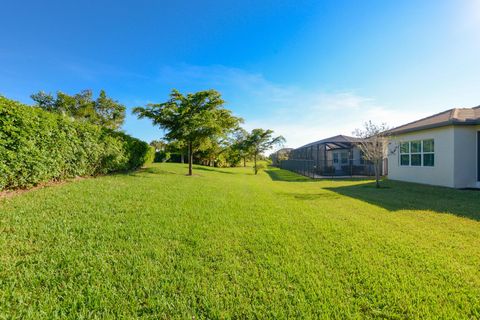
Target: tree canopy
193	119
159	145
102	111
239	148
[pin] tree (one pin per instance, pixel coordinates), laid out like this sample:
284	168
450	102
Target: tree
212	150
259	141
103	111
239	144
44	101
109	113
374	145
192	119
159	145
280	155
177	147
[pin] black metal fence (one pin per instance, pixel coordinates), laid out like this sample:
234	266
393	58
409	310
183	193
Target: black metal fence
317	169
303	167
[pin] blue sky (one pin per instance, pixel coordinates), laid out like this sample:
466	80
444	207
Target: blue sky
307	69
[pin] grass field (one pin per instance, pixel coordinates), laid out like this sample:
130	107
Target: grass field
228	244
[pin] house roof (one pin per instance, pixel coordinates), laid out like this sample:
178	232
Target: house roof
456	116
340	139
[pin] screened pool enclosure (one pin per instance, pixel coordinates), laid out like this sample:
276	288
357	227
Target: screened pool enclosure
331	157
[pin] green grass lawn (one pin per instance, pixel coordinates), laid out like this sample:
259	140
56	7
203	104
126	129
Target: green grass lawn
228	244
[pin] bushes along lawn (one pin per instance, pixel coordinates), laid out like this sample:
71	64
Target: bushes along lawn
38	146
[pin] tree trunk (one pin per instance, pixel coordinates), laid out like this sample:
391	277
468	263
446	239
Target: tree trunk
255	163
377	173
190	158
244	162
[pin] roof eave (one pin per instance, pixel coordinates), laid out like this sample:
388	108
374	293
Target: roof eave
433	126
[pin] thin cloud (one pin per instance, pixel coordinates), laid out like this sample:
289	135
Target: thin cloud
300	115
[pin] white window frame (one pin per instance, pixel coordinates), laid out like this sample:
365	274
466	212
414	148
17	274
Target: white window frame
410	153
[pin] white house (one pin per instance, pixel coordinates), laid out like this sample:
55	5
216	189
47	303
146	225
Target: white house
443	150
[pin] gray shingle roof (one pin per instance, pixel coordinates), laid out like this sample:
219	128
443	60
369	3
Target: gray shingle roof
456	116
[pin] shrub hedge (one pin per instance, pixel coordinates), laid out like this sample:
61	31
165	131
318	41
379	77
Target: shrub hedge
38	146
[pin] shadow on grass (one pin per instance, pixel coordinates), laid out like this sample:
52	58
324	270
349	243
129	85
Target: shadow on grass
289	176
213	170
285	175
396	195
312	196
145	172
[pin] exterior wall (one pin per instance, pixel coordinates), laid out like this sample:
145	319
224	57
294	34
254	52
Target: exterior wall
478	157
465	146
441	174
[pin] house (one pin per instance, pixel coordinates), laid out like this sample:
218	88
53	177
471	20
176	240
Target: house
279	155
334	156
443	149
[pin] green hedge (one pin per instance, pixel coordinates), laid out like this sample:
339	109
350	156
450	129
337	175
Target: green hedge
38	146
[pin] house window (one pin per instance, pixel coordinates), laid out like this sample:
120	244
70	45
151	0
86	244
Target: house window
405	153
417	153
428	153
335	158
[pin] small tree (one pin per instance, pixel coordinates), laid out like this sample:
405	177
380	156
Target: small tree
191	119
259	141
240	145
374	145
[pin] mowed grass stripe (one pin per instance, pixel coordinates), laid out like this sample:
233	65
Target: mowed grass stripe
228	244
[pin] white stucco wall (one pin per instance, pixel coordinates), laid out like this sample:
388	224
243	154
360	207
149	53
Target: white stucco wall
441	174
478	158
455	158
465	170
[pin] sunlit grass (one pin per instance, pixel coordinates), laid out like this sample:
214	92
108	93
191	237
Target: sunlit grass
228	244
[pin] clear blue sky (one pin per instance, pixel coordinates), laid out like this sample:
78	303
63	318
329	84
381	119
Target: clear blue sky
307	69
